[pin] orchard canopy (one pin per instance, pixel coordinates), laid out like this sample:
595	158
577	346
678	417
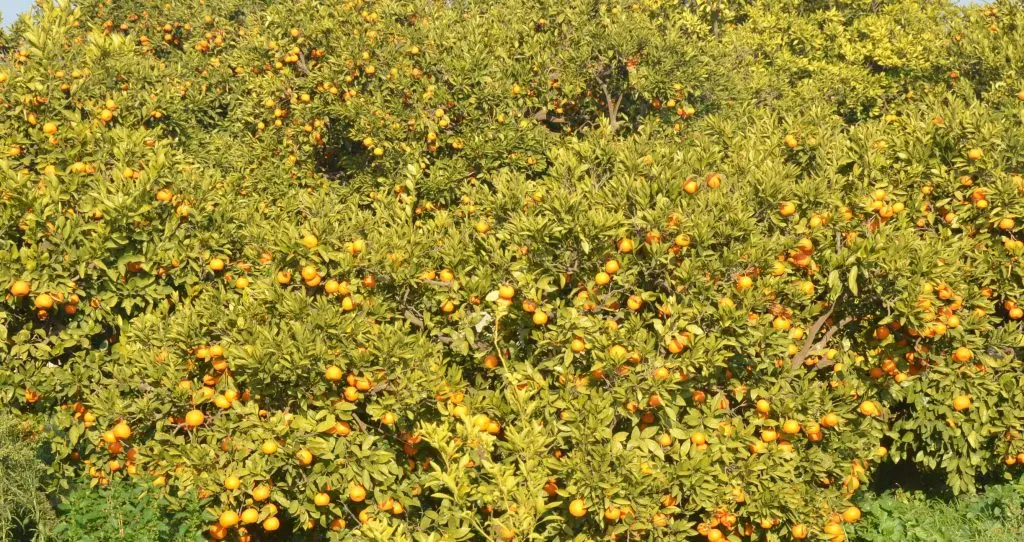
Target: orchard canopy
496	270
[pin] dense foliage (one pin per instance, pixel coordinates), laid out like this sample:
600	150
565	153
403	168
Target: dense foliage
481	270
24	508
126	510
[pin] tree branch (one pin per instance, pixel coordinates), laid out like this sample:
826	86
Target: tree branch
809	344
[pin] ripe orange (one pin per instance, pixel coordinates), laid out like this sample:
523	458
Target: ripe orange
578	508
333	373
506	292
357	493
321	499
790	141
305	457
309	241
625	245
851	514
602	278
962	354
961	402
284	277
540	318
799	531
612	514
194	418
122	431
271	524
216	264
869	408
250	515
975	154
791	427
830	420
50	128
228	518
261	493
231	483
20	288
269	447
698	439
787	208
44	302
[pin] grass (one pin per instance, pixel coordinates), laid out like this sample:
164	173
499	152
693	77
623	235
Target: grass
997	515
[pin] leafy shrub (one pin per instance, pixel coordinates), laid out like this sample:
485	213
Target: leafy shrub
508	270
126	510
25	512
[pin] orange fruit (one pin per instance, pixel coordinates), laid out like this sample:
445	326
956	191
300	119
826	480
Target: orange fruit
20	288
44	302
625	246
216	264
962	354
975	154
869	408
578	508
787	208
333	373
506	292
228	518
194	418
799	531
305	457
271	524
540	318
961	402
250	515
122	431
791	427
851	514
357	493
231	483
260	493
612	514
269	447
321	499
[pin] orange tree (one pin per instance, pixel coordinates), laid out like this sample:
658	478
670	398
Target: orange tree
501	271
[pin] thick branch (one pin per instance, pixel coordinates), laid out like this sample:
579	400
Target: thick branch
809	344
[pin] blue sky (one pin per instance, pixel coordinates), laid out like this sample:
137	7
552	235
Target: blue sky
12	8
